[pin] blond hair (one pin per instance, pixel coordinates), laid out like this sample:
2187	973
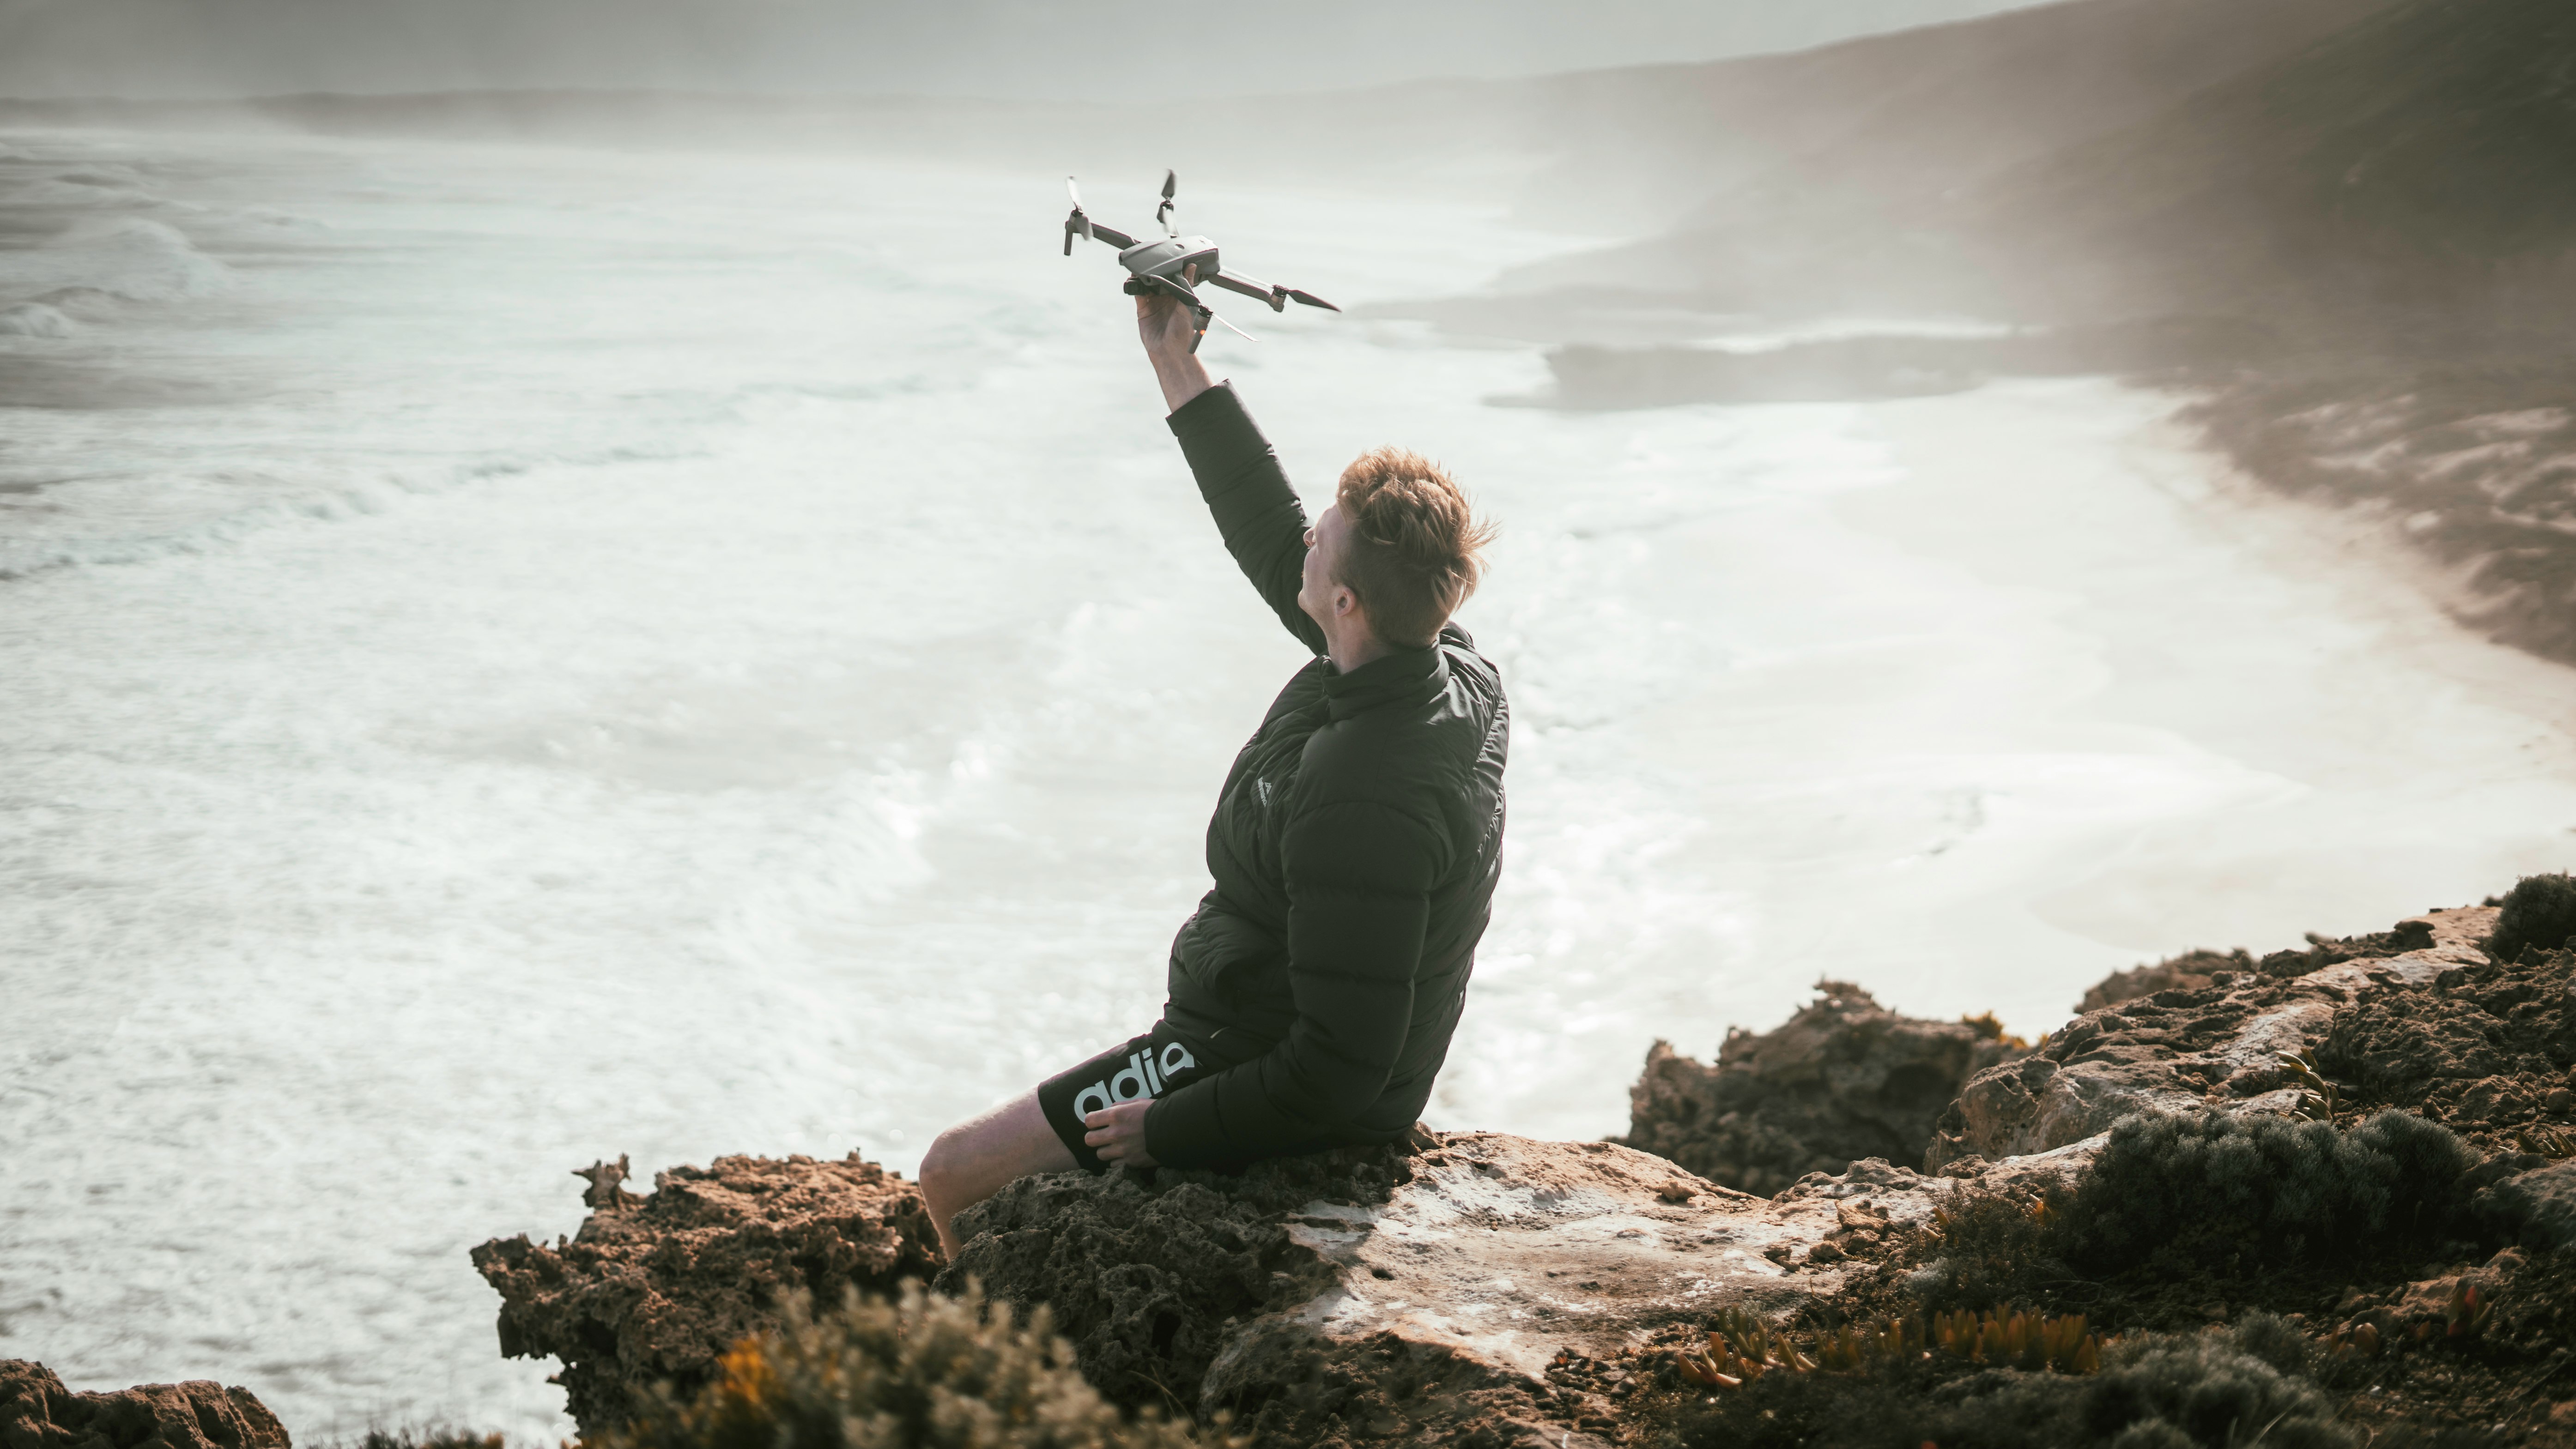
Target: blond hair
1411	552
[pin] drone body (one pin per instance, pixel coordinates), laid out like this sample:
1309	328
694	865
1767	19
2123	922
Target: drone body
1175	266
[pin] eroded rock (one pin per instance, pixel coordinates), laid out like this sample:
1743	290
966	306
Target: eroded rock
37	1412
1419	1295
1843	1079
653	1289
2220	1045
1148	1278
2190	971
2483	1048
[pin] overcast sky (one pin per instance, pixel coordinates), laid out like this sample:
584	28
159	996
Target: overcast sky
1105	50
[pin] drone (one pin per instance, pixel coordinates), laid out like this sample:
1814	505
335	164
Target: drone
1175	266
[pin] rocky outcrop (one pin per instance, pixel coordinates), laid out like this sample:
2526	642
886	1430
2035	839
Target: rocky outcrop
1460	1288
37	1412
1842	1080
1479	1289
1417	1294
652	1289
2223	1044
2190	971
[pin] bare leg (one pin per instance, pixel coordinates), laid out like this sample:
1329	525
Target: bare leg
979	1157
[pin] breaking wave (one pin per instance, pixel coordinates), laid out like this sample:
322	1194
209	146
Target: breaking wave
131	257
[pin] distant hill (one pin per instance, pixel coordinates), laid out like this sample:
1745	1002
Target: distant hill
2405	173
1634	149
1898	117
2412	172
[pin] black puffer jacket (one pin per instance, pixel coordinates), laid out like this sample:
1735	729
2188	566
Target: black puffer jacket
1355	850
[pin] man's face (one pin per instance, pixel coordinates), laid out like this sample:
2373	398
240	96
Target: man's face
1323	560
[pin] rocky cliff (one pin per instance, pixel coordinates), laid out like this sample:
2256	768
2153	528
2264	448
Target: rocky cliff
37	1412
2416	1017
1843	1079
654	1289
1476	1288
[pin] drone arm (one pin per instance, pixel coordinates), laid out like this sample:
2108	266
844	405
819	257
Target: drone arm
1081	225
1265	292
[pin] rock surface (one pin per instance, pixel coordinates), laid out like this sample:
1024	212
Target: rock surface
2537	1206
2190	971
1843	1079
2221	1045
1413	1295
653	1289
37	1412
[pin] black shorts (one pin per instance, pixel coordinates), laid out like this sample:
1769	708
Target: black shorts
1147	1066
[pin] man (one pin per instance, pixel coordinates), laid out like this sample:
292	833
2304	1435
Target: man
1355	845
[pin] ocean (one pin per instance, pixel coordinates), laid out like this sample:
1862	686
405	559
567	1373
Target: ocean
518	655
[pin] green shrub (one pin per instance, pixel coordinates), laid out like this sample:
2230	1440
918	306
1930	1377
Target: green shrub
925	1372
2219	1390
2216	1390
2215	1182
1994	1249
2539	911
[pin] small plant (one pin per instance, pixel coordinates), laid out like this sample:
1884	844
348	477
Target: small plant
2539	911
923	1372
2555	1143
2043	1213
2467	1311
1891	1340
2318	1099
2022	1340
1741	1348
1986	1024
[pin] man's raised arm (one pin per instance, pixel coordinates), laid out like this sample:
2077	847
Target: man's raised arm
1238	473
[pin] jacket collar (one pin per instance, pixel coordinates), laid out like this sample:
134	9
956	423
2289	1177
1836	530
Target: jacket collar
1402	676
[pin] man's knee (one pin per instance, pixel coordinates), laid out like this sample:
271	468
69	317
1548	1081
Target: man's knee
943	1167
975	1159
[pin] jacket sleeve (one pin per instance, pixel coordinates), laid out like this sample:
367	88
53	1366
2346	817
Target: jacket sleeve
1258	514
1359	879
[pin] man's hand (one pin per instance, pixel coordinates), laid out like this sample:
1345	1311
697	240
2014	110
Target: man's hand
1165	327
1118	1133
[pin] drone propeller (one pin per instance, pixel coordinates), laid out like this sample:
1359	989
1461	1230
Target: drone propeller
1309	298
1163	213
1079	224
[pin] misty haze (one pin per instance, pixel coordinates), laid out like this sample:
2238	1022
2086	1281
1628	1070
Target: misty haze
589	584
